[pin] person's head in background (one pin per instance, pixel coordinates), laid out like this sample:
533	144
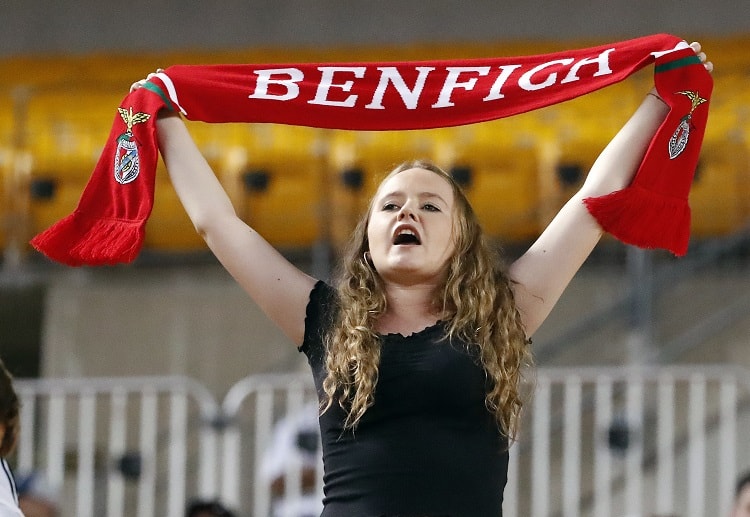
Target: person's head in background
741	506
205	508
9	413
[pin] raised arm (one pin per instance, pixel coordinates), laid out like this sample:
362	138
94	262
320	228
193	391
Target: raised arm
546	269
278	287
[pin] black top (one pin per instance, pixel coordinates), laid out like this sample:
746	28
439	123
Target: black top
427	447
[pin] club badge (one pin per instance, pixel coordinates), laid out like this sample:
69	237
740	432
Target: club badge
680	137
127	162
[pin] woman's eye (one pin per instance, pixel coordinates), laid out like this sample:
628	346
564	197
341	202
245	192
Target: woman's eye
390	206
430	207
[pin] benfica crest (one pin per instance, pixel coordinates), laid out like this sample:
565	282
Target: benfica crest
680	137
127	162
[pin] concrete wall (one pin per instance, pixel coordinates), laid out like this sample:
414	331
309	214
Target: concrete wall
196	321
93	25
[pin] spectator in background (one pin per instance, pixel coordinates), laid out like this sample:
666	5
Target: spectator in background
741	506
9	413
204	508
36	497
295	444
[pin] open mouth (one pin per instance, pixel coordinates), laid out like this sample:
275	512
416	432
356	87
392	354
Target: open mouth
406	236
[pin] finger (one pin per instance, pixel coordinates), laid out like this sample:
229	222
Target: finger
709	66
696	46
702	56
137	85
153	74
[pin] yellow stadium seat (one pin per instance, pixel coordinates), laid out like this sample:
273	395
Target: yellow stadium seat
51	200
66	133
283	180
564	165
278	182
358	162
5	157
7	120
719	196
501	182
169	229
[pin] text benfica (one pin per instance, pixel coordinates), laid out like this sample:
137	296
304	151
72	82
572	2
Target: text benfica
336	82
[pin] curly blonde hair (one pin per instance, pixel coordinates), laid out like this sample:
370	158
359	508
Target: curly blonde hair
476	300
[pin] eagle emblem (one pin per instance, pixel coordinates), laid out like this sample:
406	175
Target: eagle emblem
127	161
679	140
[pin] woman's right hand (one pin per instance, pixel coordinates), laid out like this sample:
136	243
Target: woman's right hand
139	84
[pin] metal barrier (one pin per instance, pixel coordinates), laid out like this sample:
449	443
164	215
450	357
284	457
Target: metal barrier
631	441
267	398
594	442
110	440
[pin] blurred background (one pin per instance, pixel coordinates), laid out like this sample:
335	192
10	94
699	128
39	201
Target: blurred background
174	314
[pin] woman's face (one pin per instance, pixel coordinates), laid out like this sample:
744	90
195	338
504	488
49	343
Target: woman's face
410	229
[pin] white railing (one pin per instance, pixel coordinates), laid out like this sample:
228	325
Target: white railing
595	442
641	441
80	432
270	398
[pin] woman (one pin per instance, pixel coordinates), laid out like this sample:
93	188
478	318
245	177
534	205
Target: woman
9	414
417	350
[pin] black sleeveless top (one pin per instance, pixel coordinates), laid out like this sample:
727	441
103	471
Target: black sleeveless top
427	447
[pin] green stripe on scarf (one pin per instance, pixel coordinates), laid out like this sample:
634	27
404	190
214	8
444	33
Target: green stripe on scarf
154	88
671	65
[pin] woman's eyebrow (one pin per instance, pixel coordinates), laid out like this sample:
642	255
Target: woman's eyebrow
433	196
421	195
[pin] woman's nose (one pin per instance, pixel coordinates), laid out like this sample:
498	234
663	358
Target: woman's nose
406	212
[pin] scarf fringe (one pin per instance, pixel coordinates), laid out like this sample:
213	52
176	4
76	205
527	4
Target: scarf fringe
644	218
78	240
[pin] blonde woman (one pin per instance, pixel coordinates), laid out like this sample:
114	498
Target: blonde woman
418	346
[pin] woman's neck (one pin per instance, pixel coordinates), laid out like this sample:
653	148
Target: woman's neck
409	310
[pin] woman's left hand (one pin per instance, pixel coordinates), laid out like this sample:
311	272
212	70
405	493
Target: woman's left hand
702	56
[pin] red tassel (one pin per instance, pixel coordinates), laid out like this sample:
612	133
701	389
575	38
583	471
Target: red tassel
626	213
97	241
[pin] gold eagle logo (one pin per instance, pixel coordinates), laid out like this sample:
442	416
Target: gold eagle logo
131	118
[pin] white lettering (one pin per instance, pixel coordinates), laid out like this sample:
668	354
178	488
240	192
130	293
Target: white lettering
452	83
525	80
603	61
495	92
679	46
265	79
389	74
326	83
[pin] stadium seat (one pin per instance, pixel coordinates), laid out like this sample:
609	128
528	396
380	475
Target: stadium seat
357	163
169	229
5	156
66	132
498	166
51	199
278	181
719	195
276	175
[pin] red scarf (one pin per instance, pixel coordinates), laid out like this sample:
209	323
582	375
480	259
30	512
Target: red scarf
107	227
